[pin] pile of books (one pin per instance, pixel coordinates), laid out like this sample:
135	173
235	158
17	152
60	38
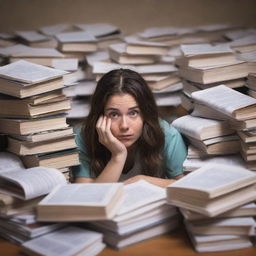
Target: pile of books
33	115
22	191
143	214
217	202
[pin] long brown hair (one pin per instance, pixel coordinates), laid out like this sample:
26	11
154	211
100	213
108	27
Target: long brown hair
150	144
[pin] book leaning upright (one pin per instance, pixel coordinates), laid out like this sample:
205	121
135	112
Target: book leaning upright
227	101
213	189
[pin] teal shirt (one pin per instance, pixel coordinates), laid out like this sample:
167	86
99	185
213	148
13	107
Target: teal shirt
174	154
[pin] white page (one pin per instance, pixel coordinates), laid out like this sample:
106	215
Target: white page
37	52
223	99
233	35
28	72
196	163
251	39
34	181
68	64
104	67
93	194
7	51
139	194
168	99
78	37
214	27
10	162
98	29
55	29
65	242
32	36
155	68
194	126
158	31
120	48
211	177
199	49
79	109
135	40
85	88
247	56
96	56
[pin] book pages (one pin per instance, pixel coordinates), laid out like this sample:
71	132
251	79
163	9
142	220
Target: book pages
213	180
28	72
78	37
68	241
223	99
138	194
32	36
201	49
32	182
10	162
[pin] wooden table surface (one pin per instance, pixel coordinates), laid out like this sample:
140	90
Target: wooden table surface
175	243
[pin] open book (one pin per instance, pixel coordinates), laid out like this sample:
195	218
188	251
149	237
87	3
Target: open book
213	189
80	202
201	128
23	79
68	241
201	55
227	101
30	183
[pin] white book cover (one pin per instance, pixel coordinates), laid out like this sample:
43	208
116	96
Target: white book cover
28	72
32	36
158	31
76	37
213	180
136	41
248	40
98	29
10	162
223	99
55	29
201	49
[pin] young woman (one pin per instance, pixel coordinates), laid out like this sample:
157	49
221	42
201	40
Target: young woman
123	138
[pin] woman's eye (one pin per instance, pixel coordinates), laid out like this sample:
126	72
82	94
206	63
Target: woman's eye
133	113
113	115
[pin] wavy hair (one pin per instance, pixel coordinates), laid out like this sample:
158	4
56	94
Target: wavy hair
151	142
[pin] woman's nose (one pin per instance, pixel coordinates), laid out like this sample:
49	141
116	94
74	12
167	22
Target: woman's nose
124	123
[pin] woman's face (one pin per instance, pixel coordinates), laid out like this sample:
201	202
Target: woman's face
126	118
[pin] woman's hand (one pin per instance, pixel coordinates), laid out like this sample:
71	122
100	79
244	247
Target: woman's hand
107	139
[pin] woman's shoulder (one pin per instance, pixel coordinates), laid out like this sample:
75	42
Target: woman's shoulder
78	130
168	129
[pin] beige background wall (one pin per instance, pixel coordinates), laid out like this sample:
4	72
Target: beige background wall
129	15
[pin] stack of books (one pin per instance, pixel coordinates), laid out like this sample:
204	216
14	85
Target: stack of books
205	66
33	115
36	39
237	108
216	201
210	136
21	191
144	214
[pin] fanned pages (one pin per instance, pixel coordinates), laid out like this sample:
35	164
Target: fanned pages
228	101
30	183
